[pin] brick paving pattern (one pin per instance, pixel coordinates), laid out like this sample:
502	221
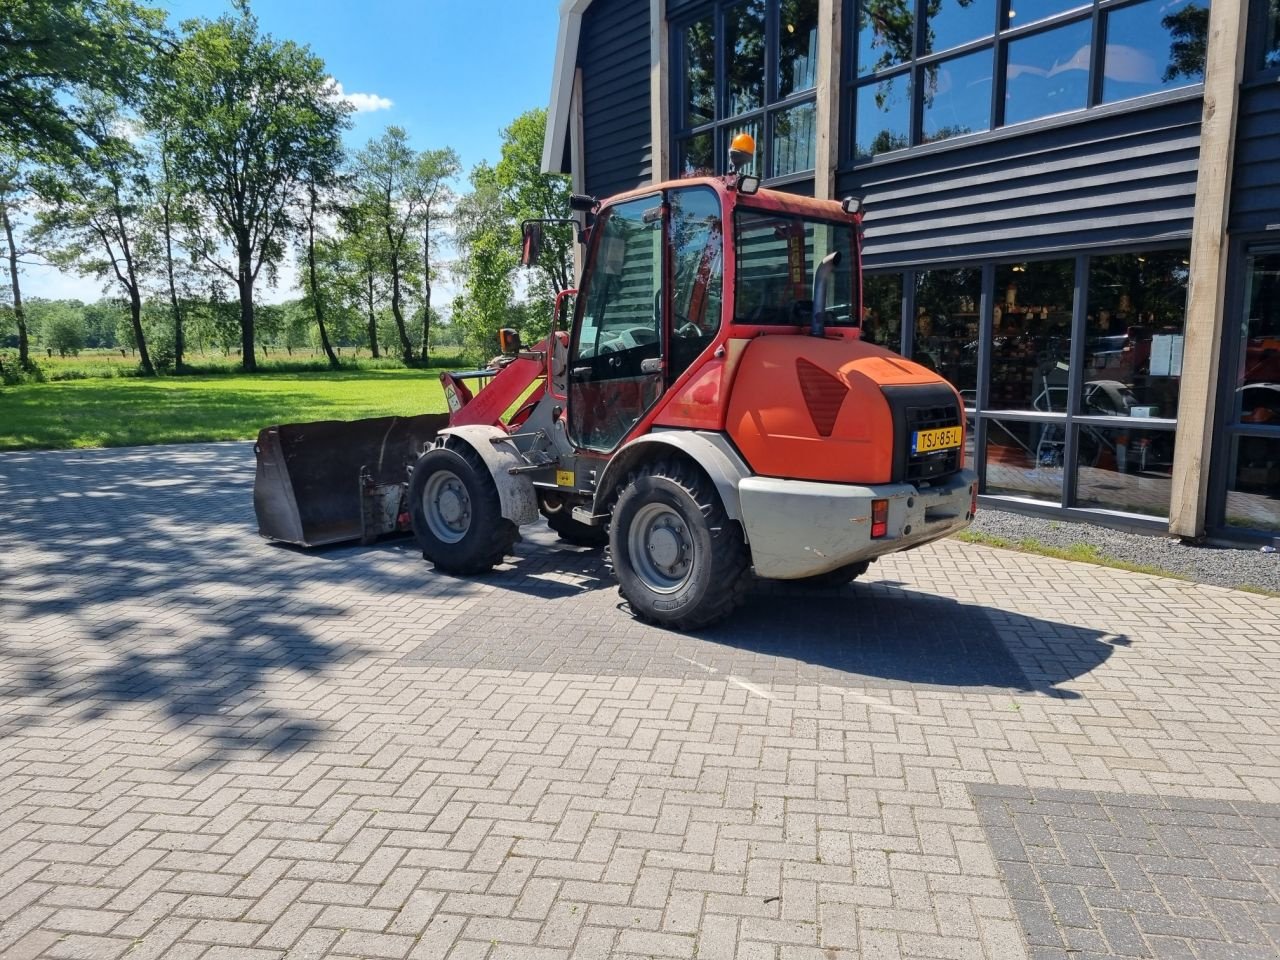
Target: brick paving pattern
1096	875
213	747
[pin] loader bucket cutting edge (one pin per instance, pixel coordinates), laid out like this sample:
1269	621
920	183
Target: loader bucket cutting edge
317	483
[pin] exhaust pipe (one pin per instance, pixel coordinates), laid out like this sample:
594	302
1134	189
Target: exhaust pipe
820	278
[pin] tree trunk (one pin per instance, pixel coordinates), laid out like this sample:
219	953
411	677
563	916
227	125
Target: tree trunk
248	362
179	341
406	346
373	321
426	289
315	287
135	319
24	347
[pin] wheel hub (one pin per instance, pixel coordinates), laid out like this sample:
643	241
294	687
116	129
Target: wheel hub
447	506
664	547
661	547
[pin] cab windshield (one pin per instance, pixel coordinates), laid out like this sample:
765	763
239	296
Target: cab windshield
777	254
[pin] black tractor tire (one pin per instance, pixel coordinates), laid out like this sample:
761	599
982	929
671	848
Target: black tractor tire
469	534
559	516
837	577
696	568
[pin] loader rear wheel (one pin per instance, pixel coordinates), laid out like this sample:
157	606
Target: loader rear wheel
837	577
559	514
457	516
680	561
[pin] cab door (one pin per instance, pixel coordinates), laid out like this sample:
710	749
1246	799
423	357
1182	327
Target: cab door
616	357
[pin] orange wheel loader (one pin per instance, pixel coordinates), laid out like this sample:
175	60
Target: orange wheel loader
707	410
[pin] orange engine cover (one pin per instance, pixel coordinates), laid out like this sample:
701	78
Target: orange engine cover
811	409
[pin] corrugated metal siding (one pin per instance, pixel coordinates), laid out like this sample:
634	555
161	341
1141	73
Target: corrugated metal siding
1122	178
614	56
1255	185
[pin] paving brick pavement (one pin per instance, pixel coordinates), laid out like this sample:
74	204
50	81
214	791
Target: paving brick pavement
215	747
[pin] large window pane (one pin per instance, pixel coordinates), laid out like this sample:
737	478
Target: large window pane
953	22
1271	38
744	57
1031	342
697	263
882	121
1048	73
1134	336
1261	339
1025	459
1154	45
1253	494
1023	12
1120	468
794	136
946	337
797	46
699	74
886	31
882	310
697	155
957	96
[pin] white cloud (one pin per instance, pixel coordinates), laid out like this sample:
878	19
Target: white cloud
362	102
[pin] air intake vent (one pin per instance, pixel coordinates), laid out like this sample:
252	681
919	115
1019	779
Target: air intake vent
823	394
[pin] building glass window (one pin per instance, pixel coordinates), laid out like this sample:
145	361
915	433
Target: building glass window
957	99
1134	334
749	66
1153	45
1253	484
1125	469
1260	364
1271	37
1031	336
1048	73
958	74
946	326
1024	459
882	310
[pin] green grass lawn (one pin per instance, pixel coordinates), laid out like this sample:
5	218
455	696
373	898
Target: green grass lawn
134	411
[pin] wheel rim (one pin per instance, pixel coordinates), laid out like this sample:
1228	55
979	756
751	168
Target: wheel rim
661	548
446	506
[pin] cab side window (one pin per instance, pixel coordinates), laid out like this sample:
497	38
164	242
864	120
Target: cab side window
697	268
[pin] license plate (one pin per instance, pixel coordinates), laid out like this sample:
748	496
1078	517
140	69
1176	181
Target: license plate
941	438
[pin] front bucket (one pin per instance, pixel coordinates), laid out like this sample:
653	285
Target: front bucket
320	482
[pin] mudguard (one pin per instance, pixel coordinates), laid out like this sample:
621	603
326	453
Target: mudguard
495	447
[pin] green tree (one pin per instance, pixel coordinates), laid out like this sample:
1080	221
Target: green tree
436	168
63	330
10	195
255	116
95	215
53	50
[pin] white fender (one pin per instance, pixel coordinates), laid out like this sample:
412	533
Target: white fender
495	447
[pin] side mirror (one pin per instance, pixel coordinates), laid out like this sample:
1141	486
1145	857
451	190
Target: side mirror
508	342
531	249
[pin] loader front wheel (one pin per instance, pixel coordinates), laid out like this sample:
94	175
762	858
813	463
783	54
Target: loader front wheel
456	514
680	561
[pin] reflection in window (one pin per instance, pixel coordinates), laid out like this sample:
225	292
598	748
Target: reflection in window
957	96
696	250
1023	12
777	255
946	335
1123	468
1031	336
794	136
1048	73
1271	38
700	74
882	310
950	23
744	65
1152	46
883	117
886	30
1025	459
696	157
1261	338
797	46
1253	494
1133	334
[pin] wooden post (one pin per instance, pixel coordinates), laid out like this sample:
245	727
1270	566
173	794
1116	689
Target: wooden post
1207	291
578	166
826	157
659	92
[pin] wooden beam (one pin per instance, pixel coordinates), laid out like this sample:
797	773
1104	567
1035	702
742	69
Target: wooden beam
578	163
659	92
1207	292
826	157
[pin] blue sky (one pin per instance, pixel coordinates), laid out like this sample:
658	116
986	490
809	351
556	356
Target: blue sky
451	72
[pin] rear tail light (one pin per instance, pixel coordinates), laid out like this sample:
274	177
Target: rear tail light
879	519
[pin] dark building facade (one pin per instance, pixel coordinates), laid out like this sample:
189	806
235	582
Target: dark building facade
1073	212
